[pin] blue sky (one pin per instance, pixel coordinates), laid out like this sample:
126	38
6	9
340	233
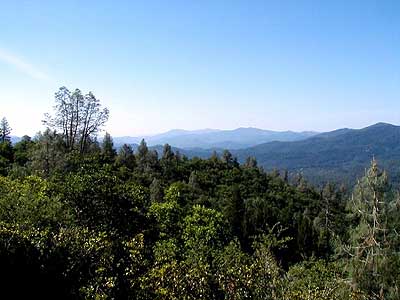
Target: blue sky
158	65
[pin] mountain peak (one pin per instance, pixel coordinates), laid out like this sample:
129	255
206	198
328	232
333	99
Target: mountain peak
238	138
381	124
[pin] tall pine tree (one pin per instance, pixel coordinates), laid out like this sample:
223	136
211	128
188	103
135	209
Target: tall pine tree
5	130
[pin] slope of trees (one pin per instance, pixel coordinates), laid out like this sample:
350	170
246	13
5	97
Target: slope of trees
339	156
107	224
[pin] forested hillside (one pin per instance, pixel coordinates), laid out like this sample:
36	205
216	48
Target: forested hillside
339	156
79	220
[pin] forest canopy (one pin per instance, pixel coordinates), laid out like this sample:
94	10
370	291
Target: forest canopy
80	219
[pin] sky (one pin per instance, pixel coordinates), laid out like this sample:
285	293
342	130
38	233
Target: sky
159	65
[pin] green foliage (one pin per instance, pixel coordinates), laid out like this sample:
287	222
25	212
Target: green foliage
234	211
165	280
234	272
6	157
371	254
202	230
168	216
30	203
107	149
72	263
156	191
126	158
77	117
22	150
5	130
102	201
316	280
96	225
265	272
49	154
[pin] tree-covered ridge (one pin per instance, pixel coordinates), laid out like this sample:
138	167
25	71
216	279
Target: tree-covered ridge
340	155
102	224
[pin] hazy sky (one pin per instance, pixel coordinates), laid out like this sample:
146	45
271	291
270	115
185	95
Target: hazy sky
158	65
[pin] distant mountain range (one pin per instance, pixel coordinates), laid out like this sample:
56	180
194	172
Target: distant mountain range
340	155
239	138
15	139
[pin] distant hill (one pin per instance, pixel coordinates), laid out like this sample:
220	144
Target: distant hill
213	138
15	139
338	155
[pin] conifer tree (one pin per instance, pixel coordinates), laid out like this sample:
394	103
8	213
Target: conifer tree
168	154
168	161
368	246
5	130
251	162
142	154
156	191
48	154
227	157
126	157
107	149
234	211
193	180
